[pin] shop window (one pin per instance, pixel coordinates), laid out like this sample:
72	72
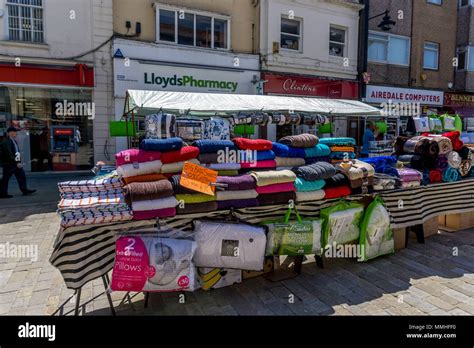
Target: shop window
25	20
191	28
431	55
337	41
290	34
389	49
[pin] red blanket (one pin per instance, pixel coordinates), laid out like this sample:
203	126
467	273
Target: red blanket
185	154
436	175
253	144
454	136
135	155
336	192
259	164
285	187
153	214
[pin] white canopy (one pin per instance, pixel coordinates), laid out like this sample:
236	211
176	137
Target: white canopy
145	102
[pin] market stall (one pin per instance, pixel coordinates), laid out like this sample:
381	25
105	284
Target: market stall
337	198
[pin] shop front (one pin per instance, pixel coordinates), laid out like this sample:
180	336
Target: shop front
294	85
151	67
462	104
52	106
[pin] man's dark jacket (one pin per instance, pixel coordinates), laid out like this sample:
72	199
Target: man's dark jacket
7	151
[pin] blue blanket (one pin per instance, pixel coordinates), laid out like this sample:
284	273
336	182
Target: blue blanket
319	150
282	150
213	146
162	145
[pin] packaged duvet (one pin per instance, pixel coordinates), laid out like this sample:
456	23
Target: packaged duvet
341	223
376	236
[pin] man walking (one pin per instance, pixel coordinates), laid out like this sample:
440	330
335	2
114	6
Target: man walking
11	160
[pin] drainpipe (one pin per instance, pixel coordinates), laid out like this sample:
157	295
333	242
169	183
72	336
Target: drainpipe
363	46
411	43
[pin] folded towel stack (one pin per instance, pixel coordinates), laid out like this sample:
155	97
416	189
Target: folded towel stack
236	192
360	175
255	155
409	177
275	187
219	155
341	148
311	180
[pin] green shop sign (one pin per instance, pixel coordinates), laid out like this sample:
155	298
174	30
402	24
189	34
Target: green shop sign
189	81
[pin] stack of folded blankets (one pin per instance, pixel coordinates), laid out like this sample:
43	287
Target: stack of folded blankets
341	148
275	187
218	155
386	173
190	201
235	192
409	177
310	183
360	175
255	155
89	202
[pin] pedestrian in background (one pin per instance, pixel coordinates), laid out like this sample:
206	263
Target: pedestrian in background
11	162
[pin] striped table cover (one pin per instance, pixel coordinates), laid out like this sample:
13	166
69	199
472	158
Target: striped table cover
83	253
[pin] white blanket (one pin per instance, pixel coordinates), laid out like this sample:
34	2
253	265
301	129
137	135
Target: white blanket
156	204
230	195
128	170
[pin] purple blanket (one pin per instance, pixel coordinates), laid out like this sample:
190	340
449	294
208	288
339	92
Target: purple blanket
237	183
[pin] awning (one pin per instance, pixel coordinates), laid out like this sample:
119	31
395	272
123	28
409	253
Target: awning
143	103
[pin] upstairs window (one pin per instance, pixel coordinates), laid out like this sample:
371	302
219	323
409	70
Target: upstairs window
290	34
25	20
190	28
389	49
431	56
337	41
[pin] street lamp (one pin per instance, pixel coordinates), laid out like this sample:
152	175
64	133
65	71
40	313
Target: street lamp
386	23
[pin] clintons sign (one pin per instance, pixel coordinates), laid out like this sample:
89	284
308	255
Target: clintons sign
381	94
305	86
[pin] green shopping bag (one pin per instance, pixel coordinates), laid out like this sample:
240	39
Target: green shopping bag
341	223
293	238
376	236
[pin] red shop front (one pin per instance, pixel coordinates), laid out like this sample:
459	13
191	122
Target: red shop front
309	86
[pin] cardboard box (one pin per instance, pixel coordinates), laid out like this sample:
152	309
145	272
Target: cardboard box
399	236
459	222
430	226
214	278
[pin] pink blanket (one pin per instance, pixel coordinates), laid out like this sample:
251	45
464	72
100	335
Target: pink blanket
285	187
153	214
259	164
135	155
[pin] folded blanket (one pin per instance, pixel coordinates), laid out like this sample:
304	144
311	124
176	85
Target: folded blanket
208	158
98	201
383	164
136	155
320	150
285	187
228	172
336	192
311	160
273	177
455	140
153	214
94	185
289	162
356	183
276	198
337	180
436	175
399	144
259	164
362	190
128	170
197	208
310	196
315	171
444	143
237	204
442	162
223	166
252	155
357	170
342	155
408	174
451	175
194	198
253	144
184	154
306	186
465	168
144	191
143	178
342	149
454	160
384	182
96	219
230	195
177	188
410	184
155	204
213	146
236	183
417	162
338	141
176	167
282	150
301	140
163	145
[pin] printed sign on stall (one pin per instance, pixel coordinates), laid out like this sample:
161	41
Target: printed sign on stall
198	178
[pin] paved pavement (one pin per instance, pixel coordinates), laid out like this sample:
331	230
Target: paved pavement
436	278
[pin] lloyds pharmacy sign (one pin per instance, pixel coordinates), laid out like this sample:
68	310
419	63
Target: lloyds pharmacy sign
189	81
